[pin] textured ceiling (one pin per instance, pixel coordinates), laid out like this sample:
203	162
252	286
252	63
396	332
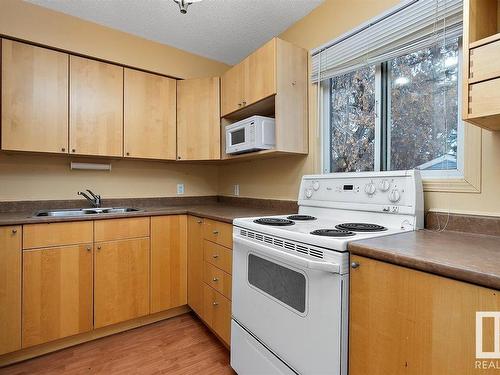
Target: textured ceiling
223	30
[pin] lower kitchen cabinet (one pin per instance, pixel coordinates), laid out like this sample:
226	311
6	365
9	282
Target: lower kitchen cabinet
217	313
404	321
121	281
195	264
57	293
168	262
10	288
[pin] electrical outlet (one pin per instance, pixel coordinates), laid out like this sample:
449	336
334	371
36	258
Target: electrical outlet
236	189
180	189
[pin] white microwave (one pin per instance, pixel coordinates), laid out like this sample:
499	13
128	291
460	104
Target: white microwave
251	134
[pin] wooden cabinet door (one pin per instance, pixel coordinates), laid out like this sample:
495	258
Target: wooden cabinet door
217	313
34	98
121	281
233	88
57	293
195	264
260	73
404	321
168	262
10	289
149	116
198	119
96	108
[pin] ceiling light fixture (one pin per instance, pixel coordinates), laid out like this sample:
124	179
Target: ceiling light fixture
183	4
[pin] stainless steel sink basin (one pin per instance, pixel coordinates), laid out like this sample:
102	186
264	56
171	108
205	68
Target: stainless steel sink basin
85	211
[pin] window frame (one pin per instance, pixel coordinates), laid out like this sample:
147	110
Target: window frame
382	125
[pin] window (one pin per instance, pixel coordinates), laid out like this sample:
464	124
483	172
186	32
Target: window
402	113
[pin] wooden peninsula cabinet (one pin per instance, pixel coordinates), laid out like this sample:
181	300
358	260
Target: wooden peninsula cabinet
404	321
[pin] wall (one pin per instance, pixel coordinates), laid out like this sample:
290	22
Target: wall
280	178
27	177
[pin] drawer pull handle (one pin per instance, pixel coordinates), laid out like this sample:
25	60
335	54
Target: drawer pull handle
14	231
215	303
354	264
98	248
88	248
199	221
215	256
215	279
216	232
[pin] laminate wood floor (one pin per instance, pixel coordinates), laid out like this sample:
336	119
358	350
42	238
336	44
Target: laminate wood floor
180	345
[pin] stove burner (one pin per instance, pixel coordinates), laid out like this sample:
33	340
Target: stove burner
275	221
301	217
361	227
332	233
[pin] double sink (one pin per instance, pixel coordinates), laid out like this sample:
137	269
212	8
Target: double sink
85	211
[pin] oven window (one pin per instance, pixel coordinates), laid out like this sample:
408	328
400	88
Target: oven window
238	136
284	284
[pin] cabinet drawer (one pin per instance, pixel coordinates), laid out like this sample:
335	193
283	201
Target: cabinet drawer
217	313
56	234
484	62
217	279
218	232
121	229
218	255
484	98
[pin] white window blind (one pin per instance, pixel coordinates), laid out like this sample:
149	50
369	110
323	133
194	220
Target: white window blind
410	26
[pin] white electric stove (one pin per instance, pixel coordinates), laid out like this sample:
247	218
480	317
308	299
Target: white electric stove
291	272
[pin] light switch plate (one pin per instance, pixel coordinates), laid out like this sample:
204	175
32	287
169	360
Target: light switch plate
236	189
180	189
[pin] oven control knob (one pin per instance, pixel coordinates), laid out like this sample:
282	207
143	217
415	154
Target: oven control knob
370	188
309	193
394	195
315	185
384	185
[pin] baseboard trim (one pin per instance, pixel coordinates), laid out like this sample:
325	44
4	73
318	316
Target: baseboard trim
49	347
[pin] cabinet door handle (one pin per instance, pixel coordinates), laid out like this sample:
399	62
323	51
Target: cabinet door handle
354	265
199	221
215	279
215	303
244	102
215	256
14	231
63	149
89	248
216	232
98	248
239	104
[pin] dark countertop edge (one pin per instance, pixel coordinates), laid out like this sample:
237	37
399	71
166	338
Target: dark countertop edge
201	211
439	269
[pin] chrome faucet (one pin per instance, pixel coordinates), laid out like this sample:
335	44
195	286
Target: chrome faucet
95	200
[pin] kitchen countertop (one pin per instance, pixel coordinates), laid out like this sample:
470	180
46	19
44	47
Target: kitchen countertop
467	257
216	211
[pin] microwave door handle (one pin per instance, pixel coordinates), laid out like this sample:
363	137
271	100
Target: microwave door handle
305	263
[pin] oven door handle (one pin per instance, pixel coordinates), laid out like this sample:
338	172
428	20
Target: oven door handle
297	260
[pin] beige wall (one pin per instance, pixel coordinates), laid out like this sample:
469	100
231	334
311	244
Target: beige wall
28	177
280	178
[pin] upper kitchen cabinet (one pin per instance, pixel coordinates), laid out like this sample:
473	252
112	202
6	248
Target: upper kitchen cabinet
198	119
233	88
34	98
481	52
271	82
149	116
96	108
251	80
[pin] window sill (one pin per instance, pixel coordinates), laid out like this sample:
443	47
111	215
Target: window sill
458	185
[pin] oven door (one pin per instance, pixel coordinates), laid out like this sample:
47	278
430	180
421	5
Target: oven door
295	307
